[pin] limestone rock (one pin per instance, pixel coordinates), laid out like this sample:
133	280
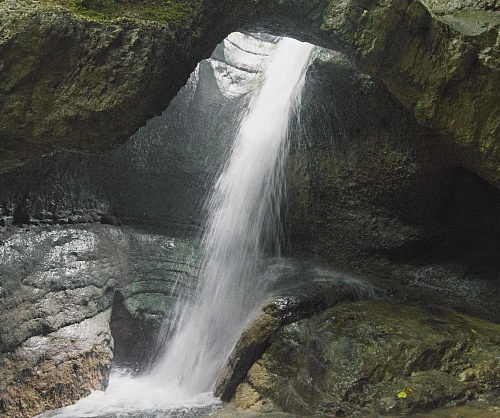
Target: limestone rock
310	297
74	297
441	62
52	278
55	370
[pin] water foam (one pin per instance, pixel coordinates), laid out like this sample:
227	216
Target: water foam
243	227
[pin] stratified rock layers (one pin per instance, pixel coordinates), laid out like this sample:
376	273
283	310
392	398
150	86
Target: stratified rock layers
72	299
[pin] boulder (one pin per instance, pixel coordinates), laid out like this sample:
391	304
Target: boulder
314	292
367	358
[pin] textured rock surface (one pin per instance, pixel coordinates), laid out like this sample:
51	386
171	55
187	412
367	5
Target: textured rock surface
67	293
371	189
375	358
446	75
54	370
161	268
115	75
54	278
70	82
315	290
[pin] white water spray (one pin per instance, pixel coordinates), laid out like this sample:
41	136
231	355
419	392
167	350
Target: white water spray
243	226
244	211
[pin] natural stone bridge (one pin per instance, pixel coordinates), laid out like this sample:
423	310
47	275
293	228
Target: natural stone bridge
68	81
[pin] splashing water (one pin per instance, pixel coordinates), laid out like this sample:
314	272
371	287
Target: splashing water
243	224
243	227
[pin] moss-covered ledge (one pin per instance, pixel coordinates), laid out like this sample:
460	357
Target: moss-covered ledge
175	13
85	74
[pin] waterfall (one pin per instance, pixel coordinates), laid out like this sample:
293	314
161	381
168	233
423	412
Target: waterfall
242	229
243	225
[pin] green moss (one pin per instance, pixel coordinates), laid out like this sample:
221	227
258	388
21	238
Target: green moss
177	13
473	22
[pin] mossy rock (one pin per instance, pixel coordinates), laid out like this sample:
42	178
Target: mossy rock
367	358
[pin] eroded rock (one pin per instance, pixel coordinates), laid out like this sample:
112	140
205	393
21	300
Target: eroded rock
52	371
367	358
71	297
314	294
441	63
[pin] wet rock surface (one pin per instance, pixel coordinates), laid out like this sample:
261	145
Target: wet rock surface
74	297
54	370
368	358
315	290
52	278
371	189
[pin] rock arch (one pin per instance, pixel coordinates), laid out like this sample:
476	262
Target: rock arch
89	85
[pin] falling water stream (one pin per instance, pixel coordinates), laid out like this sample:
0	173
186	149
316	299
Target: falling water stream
242	229
244	213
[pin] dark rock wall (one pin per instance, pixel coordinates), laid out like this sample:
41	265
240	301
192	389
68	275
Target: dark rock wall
70	82
372	190
359	152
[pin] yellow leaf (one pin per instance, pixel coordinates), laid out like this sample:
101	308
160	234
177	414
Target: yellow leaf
473	331
402	394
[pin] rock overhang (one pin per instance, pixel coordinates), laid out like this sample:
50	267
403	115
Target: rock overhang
105	77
